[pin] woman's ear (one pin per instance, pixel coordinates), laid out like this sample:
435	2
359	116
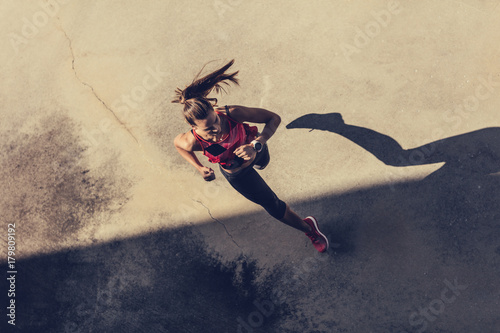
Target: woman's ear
187	122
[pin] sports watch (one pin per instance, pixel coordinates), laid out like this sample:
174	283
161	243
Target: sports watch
257	145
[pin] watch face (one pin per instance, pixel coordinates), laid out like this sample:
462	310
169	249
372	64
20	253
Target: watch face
258	146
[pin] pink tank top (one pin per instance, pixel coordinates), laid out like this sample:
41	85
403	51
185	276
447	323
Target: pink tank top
222	152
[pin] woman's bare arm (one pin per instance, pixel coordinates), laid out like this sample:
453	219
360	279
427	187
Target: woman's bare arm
186	145
257	115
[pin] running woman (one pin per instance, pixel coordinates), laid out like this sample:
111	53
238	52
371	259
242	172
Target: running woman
223	136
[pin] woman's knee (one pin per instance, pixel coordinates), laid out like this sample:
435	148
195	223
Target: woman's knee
276	209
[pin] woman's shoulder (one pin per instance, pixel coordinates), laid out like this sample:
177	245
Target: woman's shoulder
232	111
223	109
187	141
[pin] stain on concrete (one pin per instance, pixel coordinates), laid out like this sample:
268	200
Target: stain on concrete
48	189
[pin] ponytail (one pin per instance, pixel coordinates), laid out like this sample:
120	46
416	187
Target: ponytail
195	96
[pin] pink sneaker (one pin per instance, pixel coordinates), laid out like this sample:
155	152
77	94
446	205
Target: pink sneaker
319	240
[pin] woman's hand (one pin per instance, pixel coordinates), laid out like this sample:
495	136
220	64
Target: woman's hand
207	173
246	152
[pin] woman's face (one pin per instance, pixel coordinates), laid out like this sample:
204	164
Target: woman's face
208	127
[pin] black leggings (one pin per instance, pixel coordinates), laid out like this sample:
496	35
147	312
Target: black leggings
251	185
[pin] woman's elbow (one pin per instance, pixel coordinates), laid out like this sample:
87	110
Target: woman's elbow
276	121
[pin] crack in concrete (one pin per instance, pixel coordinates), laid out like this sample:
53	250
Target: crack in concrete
154	165
218	221
92	88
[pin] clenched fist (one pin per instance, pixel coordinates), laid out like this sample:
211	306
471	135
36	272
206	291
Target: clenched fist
207	173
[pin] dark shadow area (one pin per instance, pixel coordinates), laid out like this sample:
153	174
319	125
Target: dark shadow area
395	247
468	154
163	282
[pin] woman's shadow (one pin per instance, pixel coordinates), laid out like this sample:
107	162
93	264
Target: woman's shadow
460	195
476	153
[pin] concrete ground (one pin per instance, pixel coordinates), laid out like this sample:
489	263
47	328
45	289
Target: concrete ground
115	232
